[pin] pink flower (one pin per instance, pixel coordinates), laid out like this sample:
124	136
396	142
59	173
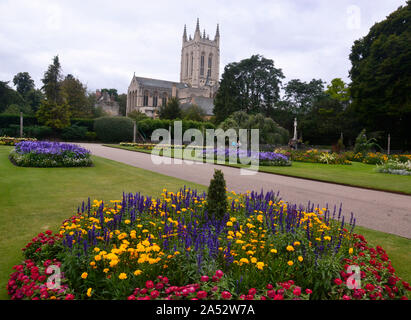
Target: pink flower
149	284
338	281
226	295
219	273
345	297
308	291
154	294
297	291
131	297
201	294
252	291
204	278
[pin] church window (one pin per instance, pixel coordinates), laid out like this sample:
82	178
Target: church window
155	99
164	99
210	62
202	65
145	99
187	65
192	64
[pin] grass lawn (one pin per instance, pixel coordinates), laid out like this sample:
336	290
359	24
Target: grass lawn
36	199
357	174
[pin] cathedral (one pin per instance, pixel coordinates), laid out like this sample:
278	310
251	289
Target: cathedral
199	75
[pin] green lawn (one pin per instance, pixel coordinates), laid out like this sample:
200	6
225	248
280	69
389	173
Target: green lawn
36	199
357	174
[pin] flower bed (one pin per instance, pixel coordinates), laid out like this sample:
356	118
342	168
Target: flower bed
49	154
170	248
315	156
395	167
10	141
265	158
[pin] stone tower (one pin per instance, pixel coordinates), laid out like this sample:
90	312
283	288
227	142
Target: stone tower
200	59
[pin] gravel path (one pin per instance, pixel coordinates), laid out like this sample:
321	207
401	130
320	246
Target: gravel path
378	210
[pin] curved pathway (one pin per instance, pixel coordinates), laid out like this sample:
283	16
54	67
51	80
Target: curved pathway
378	210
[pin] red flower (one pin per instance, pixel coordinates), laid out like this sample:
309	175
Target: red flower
308	291
297	291
252	291
201	294
226	295
338	281
154	294
149	284
219	273
204	278
369	287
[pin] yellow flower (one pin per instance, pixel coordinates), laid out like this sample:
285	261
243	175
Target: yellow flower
96	249
106	270
138	272
89	292
350	251
97	257
229	224
273	250
127	221
290	248
300	258
260	265
297	243
84	275
122	276
290	263
244	260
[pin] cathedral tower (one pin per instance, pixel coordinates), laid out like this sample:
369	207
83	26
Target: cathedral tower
200	59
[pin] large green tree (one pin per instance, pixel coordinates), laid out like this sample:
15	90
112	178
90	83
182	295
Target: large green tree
76	96
52	85
8	96
23	82
381	77
251	85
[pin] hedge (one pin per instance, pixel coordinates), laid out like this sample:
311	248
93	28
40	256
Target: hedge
114	129
147	126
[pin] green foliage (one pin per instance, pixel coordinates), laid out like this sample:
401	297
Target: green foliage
16	109
301	95
54	115
137	115
8	96
193	112
171	110
381	77
74	132
270	131
338	90
23	82
114	129
217	202
76	96
251	85
364	145
38	132
52	85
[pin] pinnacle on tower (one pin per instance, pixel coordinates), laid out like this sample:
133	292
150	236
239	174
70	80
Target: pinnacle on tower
185	33
217	33
204	35
198	25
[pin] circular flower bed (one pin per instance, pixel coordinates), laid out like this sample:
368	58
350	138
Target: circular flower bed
170	248
49	154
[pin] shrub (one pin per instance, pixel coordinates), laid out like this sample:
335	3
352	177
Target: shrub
216	196
39	132
74	132
114	129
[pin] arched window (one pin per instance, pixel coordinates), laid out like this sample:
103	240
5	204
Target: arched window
202	64
210	63
187	65
164	99
155	99
145	99
192	64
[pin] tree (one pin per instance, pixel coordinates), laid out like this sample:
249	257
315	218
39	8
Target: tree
24	83
301	95
76	96
53	115
112	92
381	77
217	203
251	85
52	82
171	110
137	115
122	101
338	90
8	96
193	112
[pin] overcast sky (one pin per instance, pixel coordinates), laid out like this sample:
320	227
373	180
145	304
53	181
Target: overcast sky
103	42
